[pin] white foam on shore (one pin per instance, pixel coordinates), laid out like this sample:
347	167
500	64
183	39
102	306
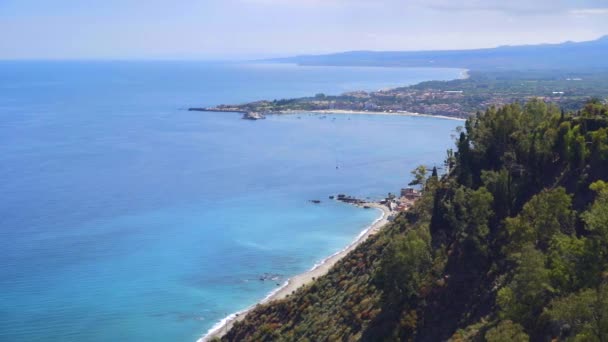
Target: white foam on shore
362	112
219	325
359	237
226	320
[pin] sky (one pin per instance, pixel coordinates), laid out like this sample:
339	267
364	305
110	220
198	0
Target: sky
235	29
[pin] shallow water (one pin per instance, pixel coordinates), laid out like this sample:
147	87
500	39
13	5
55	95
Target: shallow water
125	217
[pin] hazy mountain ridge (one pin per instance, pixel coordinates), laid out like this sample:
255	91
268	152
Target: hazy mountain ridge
568	55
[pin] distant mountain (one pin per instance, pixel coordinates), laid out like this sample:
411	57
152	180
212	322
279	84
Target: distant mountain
569	55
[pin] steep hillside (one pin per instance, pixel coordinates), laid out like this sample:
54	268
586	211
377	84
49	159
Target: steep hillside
511	245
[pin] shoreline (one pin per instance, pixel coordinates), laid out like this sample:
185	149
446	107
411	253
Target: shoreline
464	74
322	267
302	279
355	112
330	112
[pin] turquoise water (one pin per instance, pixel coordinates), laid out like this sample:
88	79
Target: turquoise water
126	218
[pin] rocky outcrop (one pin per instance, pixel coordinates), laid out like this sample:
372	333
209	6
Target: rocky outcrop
253	116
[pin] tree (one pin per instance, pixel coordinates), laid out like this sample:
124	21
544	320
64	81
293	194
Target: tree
567	262
585	313
536	110
479	211
576	147
464	160
599	145
522	300
596	222
405	265
545	215
450	161
596	218
464	215
434	173
500	185
507	331
419	176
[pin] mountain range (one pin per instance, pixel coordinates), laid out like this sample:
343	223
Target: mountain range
568	55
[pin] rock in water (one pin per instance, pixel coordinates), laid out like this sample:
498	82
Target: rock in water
253	116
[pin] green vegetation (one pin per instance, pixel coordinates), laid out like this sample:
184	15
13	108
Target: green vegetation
511	245
419	175
459	98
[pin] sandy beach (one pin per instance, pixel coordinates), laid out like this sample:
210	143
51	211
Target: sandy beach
362	112
302	279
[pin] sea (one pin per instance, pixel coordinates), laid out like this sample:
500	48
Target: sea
126	217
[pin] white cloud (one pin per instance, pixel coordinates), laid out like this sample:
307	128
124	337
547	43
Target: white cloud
286	27
590	11
515	7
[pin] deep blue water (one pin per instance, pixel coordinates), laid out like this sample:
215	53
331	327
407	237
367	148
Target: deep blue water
124	217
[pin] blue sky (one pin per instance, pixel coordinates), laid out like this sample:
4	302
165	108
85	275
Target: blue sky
215	29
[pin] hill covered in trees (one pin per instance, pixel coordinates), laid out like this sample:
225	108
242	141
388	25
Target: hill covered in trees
510	245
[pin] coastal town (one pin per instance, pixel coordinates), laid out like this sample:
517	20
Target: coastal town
457	99
393	204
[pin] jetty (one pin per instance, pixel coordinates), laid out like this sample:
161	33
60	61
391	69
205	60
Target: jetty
393	203
350	199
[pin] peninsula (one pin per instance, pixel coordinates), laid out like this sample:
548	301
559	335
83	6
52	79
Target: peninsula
567	74
459	98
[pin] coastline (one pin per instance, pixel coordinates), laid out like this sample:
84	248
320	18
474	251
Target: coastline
321	268
399	113
295	282
327	111
464	74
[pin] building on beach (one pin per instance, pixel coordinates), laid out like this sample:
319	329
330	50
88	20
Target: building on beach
411	194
